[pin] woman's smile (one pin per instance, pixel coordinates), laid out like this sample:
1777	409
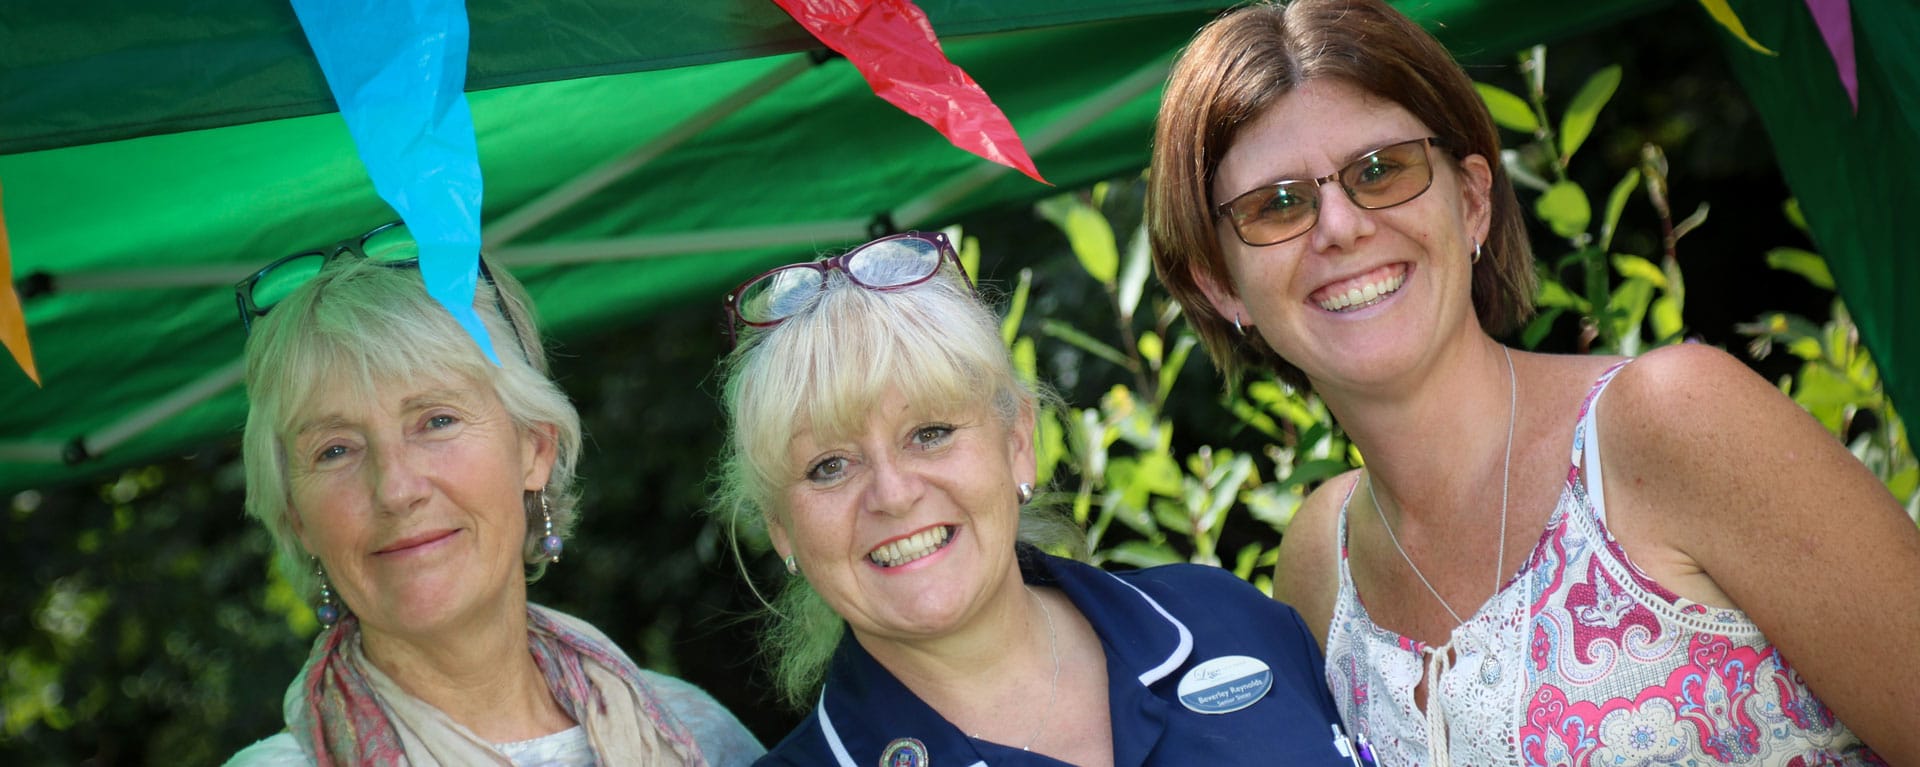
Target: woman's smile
418	543
1362	291
905	550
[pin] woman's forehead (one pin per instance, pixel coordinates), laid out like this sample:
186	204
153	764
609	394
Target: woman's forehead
1310	132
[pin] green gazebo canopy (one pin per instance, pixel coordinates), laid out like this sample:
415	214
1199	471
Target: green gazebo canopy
638	153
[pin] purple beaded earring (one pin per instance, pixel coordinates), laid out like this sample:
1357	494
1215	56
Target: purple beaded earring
327	611
550	545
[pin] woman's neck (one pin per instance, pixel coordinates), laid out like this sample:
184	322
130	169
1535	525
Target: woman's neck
1457	407
480	674
1004	645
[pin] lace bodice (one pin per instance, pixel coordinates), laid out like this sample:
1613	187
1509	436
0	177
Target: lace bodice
1580	659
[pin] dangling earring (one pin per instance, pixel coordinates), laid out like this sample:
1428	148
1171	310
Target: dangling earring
326	611
1476	253
1024	492
551	544
1237	328
793	567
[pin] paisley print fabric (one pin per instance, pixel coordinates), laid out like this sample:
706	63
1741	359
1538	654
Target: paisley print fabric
1581	659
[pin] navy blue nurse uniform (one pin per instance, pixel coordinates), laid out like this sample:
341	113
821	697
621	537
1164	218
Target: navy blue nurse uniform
1157	625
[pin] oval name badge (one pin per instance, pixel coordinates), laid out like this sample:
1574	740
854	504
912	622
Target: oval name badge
1225	684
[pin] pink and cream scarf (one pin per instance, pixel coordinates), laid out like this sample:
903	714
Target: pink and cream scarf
343	710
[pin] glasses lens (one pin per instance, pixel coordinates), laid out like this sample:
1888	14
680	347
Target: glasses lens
1275	213
779	295
282	278
390	244
895	262
1390	176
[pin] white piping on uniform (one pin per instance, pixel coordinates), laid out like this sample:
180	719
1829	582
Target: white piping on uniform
1180	652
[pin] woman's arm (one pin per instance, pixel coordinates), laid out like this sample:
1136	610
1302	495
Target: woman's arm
1718	470
1308	575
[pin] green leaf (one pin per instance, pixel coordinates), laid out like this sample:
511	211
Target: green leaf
1616	204
1026	361
1905	482
1310	472
1792	210
1016	308
1666	318
1173	517
1690	223
1143	554
1553	294
1825	395
1565	209
1050	446
1247	559
1170	370
1087	343
1577	124
1226	491
1805	263
1133	274
1160	474
1724	14
1509	111
1635	267
1624	314
969	251
1539	327
1151	347
1089	234
1520	172
1273	505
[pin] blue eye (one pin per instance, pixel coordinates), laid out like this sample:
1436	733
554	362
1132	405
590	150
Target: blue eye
440	422
331	452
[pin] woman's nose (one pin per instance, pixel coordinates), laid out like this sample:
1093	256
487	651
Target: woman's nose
1341	222
400	480
895	487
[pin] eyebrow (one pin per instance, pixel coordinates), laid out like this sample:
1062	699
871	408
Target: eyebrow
1351	158
324	423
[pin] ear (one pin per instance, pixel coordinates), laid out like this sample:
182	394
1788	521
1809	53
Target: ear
1226	301
777	533
539	448
1020	451
299	528
1476	195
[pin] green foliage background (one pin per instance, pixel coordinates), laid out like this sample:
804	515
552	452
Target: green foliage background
140	621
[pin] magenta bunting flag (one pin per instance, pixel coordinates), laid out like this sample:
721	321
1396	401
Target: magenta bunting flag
1835	19
893	45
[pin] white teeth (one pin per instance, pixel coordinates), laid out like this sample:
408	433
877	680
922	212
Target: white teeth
911	548
1363	296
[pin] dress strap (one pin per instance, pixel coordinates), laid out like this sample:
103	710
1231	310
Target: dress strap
1340	529
1586	442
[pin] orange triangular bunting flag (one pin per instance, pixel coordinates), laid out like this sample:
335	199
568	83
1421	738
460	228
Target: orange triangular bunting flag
13	320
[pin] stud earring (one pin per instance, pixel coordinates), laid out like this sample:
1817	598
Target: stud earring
551	545
326	611
1024	492
1476	253
793	567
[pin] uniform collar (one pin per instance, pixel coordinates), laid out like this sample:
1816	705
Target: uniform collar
864	709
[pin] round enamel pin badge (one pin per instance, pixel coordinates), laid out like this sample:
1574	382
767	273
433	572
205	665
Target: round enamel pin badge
904	752
1225	684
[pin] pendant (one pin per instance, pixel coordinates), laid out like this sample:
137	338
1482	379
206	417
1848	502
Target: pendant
1489	670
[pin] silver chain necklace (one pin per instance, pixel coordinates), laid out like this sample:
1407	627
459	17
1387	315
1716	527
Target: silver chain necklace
1506	471
1053	688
